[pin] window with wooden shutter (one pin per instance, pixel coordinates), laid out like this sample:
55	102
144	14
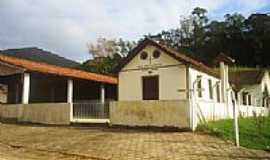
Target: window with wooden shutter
218	93
244	98
199	86
210	88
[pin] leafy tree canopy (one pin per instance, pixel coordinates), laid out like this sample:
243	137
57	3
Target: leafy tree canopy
247	40
106	54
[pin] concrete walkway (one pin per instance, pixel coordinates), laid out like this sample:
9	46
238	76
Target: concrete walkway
38	142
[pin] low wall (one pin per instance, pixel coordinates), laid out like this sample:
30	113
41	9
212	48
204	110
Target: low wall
44	113
10	111
150	113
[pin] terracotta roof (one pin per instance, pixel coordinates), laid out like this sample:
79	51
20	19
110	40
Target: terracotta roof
244	78
57	70
177	55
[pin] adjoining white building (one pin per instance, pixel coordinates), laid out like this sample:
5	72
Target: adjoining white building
252	86
158	86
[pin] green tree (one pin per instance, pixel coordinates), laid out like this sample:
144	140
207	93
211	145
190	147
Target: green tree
244	39
258	36
106	54
199	21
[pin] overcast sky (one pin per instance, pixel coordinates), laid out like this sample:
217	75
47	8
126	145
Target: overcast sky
66	26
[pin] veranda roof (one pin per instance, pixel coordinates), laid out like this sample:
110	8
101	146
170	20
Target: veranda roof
56	70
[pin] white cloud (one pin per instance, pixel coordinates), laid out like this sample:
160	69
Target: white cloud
66	26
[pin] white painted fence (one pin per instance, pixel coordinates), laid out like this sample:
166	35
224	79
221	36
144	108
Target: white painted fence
209	111
248	111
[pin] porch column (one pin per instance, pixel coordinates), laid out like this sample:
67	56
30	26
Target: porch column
102	93
70	91
70	97
26	88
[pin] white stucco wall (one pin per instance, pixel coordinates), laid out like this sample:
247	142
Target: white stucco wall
265	81
204	108
256	94
256	90
172	77
193	73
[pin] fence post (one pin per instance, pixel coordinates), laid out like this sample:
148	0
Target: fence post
236	127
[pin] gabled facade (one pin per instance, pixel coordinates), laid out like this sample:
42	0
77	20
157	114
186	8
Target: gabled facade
169	72
172	70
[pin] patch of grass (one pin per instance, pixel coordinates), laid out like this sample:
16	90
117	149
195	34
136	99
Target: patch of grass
253	132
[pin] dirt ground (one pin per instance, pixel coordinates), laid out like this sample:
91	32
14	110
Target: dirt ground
34	142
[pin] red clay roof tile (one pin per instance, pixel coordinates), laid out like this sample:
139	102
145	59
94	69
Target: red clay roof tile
57	70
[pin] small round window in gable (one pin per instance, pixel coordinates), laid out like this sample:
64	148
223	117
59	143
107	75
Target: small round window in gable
143	55
156	54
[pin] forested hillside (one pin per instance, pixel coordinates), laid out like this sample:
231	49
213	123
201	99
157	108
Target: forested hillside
247	40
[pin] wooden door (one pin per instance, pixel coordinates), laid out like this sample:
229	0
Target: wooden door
150	88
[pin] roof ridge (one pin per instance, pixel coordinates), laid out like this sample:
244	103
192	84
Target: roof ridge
185	57
175	54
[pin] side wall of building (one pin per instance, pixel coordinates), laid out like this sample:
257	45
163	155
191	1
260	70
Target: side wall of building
205	78
208	106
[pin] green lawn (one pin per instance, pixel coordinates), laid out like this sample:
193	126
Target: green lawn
254	132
